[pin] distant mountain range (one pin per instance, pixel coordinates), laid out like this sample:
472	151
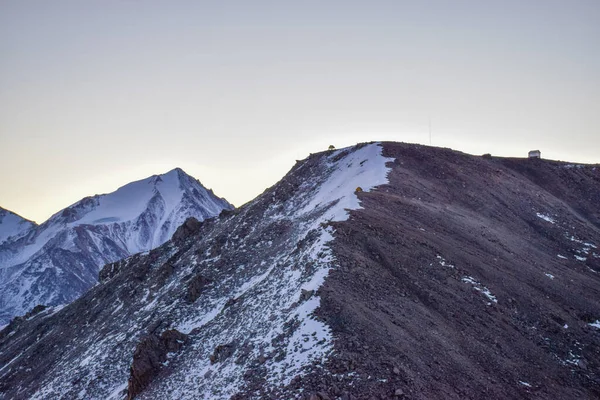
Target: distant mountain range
55	262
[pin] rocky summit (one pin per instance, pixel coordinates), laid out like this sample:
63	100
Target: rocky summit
55	262
381	271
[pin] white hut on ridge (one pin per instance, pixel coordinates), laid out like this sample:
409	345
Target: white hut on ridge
535	154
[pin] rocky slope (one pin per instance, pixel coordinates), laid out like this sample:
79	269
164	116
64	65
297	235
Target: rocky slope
460	277
13	225
55	262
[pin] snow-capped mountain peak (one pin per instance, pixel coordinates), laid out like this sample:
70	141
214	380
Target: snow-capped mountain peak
127	202
96	230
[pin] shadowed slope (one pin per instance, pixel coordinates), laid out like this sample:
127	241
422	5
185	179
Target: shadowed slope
467	278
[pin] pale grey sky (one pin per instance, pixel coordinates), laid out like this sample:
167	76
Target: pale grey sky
94	94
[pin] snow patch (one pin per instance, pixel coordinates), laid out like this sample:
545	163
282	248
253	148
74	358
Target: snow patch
546	218
573	359
443	262
480	288
595	324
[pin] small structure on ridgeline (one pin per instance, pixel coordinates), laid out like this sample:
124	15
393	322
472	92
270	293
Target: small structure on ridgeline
535	154
331	147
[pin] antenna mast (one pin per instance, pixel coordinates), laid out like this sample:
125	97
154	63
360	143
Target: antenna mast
430	131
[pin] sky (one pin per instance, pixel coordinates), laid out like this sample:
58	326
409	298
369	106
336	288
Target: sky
95	94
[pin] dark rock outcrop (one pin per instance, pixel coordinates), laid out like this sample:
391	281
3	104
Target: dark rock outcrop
188	228
149	358
194	288
222	352
109	271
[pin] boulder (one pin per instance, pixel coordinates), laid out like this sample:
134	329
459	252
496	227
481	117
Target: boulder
148	359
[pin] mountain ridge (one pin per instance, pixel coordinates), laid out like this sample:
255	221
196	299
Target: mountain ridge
454	277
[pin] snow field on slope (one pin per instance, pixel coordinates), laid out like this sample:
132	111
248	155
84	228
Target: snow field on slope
364	168
31	248
12	225
129	201
273	299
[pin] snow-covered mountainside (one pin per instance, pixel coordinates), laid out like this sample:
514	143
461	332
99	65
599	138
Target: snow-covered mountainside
386	271
241	290
13	225
55	262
